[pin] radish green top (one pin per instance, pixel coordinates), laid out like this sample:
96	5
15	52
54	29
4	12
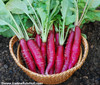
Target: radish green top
6	18
76	13
43	13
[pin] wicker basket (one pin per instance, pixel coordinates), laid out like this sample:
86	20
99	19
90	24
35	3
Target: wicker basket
48	79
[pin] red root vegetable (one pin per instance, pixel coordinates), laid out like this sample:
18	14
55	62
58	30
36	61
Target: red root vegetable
75	52
51	70
27	56
50	52
59	59
54	29
57	39
67	51
42	46
44	51
36	52
38	40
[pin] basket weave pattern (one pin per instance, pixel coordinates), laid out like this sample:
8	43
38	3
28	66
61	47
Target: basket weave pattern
48	79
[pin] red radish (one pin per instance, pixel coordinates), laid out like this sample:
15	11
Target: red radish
36	55
75	52
54	29
51	70
57	39
44	51
50	51
22	36
27	56
59	59
67	51
56	36
38	40
38	71
42	46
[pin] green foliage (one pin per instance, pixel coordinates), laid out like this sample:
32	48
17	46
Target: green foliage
19	6
43	13
6	18
6	31
68	18
92	14
84	35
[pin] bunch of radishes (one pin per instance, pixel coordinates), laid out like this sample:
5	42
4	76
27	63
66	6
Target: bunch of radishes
54	49
51	57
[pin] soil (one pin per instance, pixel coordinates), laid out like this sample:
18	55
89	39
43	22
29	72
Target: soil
88	74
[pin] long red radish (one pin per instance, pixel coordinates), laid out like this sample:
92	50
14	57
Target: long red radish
57	39
56	34
59	59
36	52
67	51
44	51
42	46
27	56
51	70
75	52
53	29
50	51
38	40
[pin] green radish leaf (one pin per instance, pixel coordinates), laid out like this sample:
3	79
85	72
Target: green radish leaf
6	32
25	20
42	15
71	26
64	5
70	19
22	7
47	14
19	7
3	28
16	19
5	15
55	10
52	5
2	22
84	35
91	16
47	2
5	1
30	34
94	3
67	14
64	11
25	1
6	18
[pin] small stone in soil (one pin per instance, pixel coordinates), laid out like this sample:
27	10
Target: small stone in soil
86	77
92	46
5	66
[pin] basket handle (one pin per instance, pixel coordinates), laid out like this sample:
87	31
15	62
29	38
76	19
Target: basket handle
13	40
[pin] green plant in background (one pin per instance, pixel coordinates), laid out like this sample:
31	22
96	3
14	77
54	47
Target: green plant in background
23	9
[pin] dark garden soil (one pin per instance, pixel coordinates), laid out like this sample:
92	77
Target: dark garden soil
88	74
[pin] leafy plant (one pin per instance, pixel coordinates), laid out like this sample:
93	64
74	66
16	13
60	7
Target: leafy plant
42	14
